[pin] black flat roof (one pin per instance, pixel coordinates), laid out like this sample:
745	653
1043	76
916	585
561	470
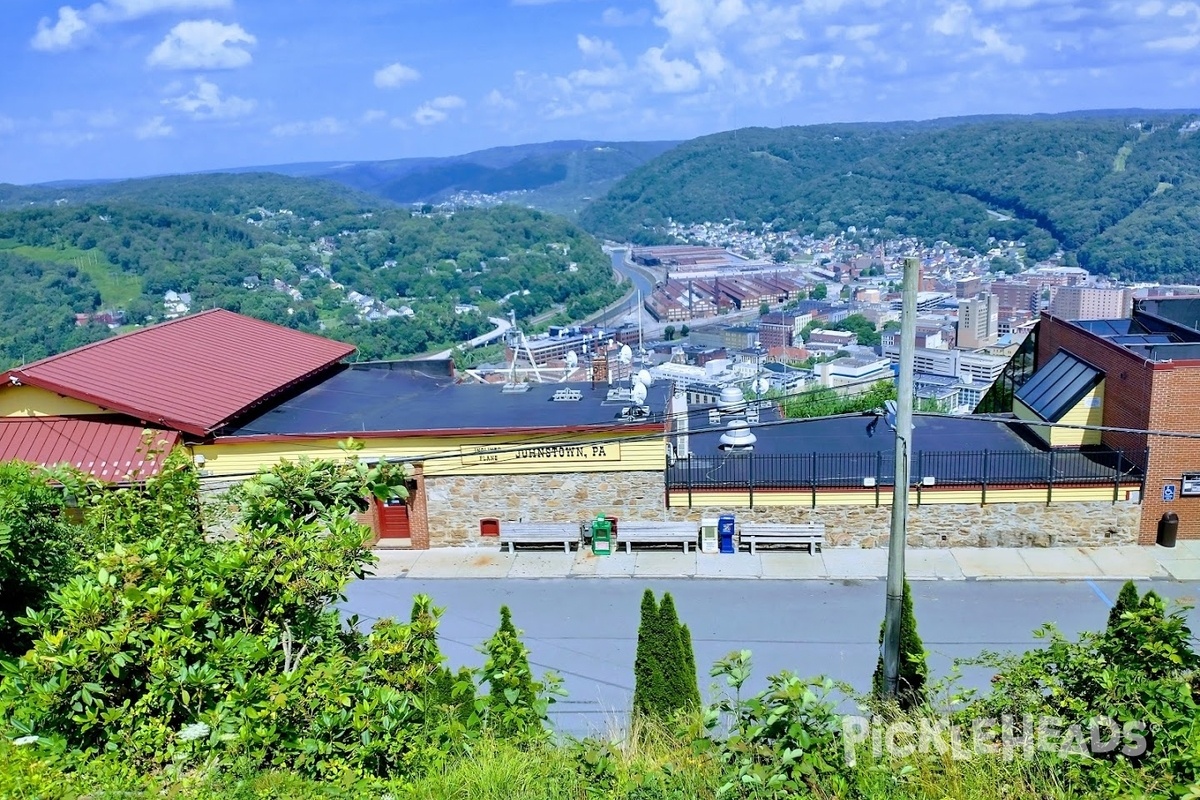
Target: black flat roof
377	399
841	451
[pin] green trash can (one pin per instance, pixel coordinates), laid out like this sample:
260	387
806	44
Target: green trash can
601	536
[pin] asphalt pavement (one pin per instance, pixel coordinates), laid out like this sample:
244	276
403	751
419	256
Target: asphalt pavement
586	630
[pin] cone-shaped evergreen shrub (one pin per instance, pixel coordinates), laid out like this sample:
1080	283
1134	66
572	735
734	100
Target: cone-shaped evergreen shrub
1127	600
910	689
664	667
647	670
689	665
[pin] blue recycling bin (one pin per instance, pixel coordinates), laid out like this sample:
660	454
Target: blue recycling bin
725	533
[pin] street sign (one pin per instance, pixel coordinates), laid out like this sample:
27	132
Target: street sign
1168	492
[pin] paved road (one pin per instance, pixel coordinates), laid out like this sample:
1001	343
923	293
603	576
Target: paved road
586	629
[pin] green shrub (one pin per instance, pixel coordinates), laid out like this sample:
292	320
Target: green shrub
38	548
910	688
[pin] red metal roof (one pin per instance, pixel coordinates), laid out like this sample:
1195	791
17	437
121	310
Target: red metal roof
109	451
190	374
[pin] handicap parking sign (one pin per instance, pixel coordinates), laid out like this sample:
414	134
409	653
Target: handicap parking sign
1168	492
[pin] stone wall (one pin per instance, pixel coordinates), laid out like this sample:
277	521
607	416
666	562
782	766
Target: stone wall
991	525
456	504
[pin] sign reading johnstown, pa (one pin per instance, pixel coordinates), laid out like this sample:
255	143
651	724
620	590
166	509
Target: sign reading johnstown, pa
550	453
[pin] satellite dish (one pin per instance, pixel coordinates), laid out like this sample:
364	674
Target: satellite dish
639	393
763	385
572	359
626	355
645	378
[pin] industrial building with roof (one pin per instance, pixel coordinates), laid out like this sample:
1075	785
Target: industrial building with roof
240	395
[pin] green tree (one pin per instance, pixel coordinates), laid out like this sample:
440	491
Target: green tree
1127	600
649	684
819	292
664	665
764	309
669	332
910	688
684	331
38	548
514	706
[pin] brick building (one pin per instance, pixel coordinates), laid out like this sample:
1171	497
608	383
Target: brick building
1151	367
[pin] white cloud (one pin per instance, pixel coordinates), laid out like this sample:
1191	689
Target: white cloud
203	44
399	123
205	102
74	24
1178	44
63	34
994	43
153	128
497	99
434	111
325	126
394	75
597	48
7	125
1149	8
669	74
959	20
954	21
616	18
698	21
373	115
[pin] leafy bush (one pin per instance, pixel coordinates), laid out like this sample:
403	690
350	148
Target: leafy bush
38	548
172	650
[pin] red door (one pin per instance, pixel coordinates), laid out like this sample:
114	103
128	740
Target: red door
393	518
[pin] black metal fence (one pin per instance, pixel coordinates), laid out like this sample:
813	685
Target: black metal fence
749	471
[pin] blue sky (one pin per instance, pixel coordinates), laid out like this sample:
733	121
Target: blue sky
122	88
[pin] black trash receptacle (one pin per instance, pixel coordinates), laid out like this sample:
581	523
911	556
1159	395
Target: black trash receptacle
725	526
1168	529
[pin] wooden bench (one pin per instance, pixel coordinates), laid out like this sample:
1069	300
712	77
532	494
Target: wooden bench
684	533
810	535
514	533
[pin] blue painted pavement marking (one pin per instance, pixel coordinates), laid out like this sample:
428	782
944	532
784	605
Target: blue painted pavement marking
1100	593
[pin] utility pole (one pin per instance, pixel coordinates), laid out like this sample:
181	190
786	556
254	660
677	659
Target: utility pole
896	543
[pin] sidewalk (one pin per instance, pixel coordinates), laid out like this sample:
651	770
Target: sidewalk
1181	563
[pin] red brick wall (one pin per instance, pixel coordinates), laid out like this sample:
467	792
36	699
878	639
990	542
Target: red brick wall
1127	384
1176	407
418	514
1144	395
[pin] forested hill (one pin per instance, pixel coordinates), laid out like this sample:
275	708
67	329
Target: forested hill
1121	191
303	253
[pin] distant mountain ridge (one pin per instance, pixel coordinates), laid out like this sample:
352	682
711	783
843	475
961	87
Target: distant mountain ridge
557	176
1117	190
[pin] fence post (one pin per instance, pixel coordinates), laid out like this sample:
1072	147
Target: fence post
1050	479
879	475
750	475
1117	476
689	481
812	479
983	481
667	478
920	475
